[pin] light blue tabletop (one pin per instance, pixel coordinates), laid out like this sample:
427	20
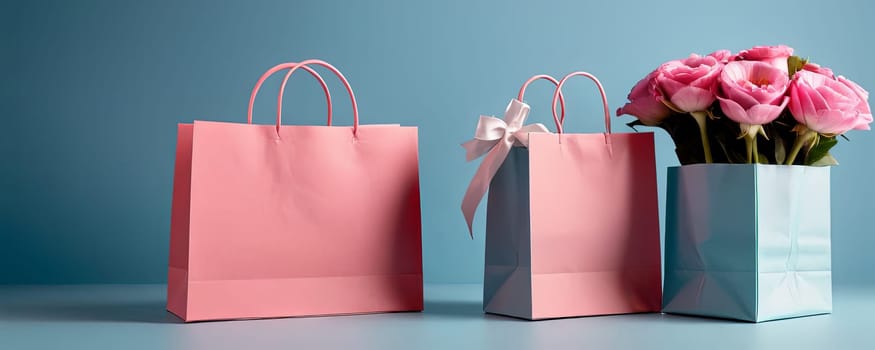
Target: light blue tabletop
133	317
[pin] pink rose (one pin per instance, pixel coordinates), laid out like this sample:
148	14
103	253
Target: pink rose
752	92
689	84
829	106
775	55
723	56
644	102
813	67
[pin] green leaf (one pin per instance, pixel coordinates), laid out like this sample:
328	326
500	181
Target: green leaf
780	150
635	123
774	146
827	160
820	149
795	64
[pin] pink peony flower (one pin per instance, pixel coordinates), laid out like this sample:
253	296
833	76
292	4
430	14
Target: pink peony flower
644	102
752	92
775	55
829	106
814	67
689	84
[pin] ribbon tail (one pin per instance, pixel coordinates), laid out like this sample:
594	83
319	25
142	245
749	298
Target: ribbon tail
480	183
475	148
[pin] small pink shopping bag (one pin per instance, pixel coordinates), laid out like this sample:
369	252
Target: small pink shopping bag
572	224
275	220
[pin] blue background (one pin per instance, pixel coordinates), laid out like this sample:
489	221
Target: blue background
92	92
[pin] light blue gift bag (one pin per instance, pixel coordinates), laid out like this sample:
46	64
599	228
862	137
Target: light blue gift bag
747	241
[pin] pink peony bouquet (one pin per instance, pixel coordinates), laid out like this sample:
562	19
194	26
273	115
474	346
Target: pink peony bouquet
761	105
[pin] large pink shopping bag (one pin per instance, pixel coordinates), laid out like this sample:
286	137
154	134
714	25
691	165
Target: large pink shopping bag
572	225
276	220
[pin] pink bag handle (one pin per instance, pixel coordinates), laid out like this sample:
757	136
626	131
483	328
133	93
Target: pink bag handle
558	93
279	107
292	67
555	82
321	82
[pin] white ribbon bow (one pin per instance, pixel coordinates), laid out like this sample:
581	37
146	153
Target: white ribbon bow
494	137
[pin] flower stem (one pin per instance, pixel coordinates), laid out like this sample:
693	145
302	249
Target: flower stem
750	133
703	132
748	143
803	137
756	153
